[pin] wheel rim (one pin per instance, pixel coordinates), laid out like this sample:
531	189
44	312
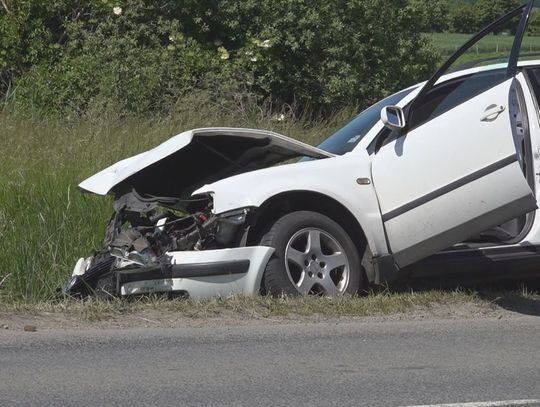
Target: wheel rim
316	263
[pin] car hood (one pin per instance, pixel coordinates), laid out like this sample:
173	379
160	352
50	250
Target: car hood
191	159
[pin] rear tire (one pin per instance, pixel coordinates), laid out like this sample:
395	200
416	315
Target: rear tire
313	255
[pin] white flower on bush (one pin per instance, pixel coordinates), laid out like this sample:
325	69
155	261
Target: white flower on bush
223	53
252	58
117	10
265	44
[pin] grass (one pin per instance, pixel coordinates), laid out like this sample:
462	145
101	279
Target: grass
46	224
450	42
375	304
161	311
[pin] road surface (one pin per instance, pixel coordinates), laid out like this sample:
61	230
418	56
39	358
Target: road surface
351	363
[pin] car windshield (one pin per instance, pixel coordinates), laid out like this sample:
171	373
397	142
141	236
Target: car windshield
345	139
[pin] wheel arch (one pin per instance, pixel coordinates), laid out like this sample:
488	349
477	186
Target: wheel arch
304	200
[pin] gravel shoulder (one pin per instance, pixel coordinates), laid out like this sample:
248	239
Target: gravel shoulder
160	313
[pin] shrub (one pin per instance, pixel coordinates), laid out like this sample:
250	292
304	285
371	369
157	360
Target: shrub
140	56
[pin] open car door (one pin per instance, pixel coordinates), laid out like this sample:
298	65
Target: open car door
453	171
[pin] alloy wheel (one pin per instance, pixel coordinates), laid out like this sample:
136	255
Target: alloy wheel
316	263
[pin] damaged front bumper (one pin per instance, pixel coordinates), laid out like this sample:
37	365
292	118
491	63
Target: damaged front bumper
201	274
154	245
196	274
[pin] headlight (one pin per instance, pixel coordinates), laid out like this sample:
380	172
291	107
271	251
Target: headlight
237	215
229	224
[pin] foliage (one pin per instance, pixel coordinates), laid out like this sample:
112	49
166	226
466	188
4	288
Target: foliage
74	57
489	10
432	14
462	18
534	24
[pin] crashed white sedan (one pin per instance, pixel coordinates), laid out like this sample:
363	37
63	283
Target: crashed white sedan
447	164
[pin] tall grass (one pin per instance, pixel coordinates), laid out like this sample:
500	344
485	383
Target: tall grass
46	224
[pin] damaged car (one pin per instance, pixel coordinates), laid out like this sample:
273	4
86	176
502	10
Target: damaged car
440	176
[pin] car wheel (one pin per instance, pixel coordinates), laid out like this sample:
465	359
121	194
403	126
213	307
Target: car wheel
313	255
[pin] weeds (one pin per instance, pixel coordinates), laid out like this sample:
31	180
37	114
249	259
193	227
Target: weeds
248	307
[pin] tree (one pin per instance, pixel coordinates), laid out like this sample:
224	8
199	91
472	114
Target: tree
143	56
489	10
534	24
463	19
432	14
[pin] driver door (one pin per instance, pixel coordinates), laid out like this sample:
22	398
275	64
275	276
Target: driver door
453	172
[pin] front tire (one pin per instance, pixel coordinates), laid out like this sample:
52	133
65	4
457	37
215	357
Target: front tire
313	255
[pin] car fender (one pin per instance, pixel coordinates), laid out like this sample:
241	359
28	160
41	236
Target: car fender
345	179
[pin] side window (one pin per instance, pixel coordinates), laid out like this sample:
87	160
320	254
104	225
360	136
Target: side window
534	79
452	93
492	66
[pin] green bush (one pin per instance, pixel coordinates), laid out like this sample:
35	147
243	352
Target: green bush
432	14
64	57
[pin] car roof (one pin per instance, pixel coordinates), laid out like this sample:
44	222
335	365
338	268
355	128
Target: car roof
469	71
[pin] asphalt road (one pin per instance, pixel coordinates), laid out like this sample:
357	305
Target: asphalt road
316	364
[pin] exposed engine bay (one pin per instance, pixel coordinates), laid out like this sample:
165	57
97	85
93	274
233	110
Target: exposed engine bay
143	230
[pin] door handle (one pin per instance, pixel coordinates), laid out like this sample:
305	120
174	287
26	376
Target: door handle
492	112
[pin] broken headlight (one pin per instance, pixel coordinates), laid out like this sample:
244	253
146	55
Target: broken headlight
229	226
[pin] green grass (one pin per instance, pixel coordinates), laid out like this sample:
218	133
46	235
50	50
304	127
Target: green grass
46	224
450	42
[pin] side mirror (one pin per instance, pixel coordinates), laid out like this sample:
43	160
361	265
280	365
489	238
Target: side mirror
393	117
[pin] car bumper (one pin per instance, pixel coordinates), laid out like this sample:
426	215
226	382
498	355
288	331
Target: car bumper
201	274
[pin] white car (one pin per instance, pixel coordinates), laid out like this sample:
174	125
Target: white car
447	164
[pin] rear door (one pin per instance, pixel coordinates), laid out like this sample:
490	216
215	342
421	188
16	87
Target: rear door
454	171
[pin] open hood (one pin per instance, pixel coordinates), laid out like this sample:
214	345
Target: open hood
191	159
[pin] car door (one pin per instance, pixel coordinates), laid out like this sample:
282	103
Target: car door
453	171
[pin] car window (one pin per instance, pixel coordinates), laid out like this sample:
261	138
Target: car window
534	76
530	47
450	94
490	51
345	139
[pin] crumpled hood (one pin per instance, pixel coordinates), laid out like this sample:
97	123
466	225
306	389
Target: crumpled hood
191	159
